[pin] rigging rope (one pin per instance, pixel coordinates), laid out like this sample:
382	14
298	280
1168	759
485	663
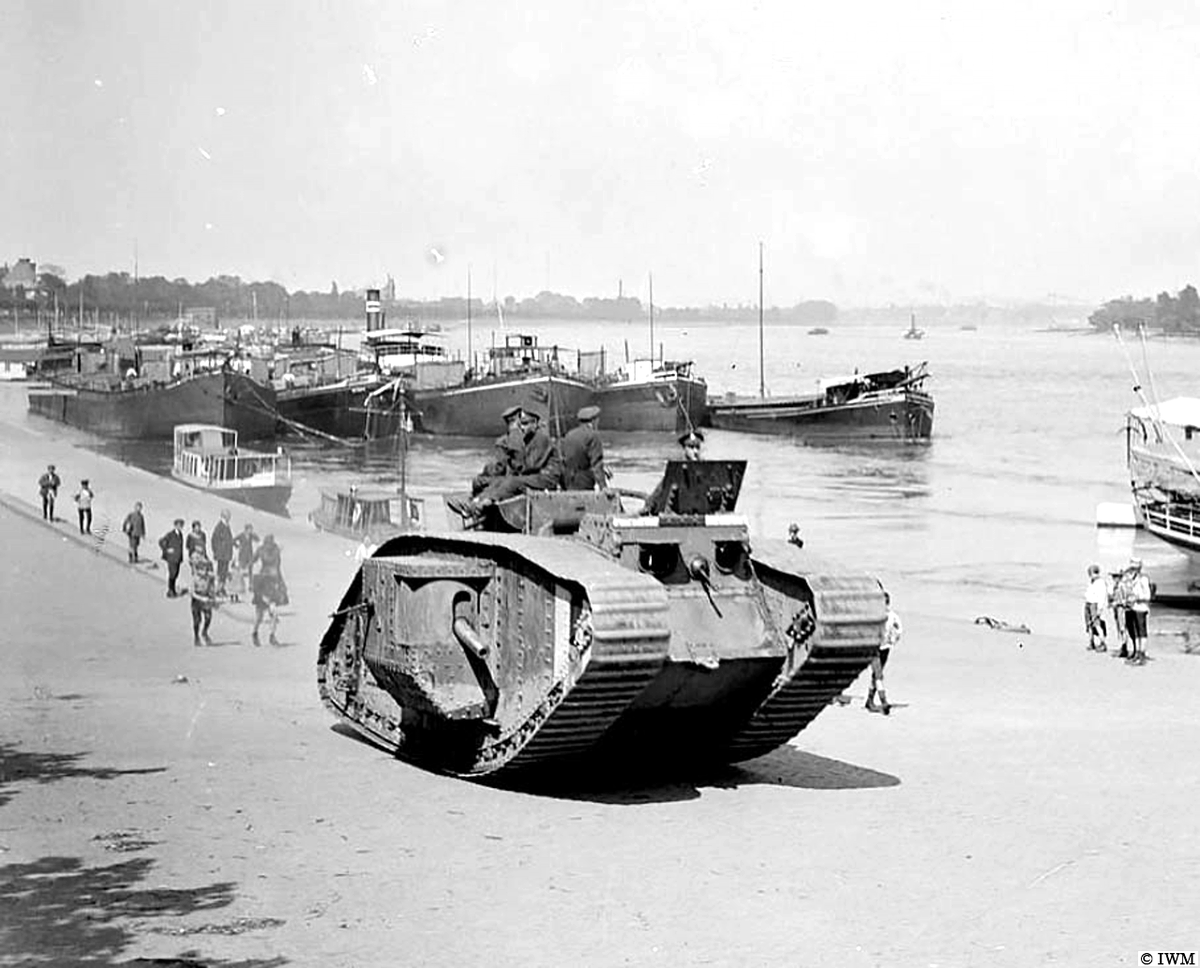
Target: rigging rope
296	425
1155	412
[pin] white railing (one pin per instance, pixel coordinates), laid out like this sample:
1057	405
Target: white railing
234	470
1180	521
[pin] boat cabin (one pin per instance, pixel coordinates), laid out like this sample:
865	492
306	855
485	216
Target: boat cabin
209	456
415	353
370	513
522	354
654	371
838	390
310	365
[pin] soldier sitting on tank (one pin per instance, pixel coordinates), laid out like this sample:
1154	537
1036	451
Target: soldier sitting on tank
504	452
536	467
583	454
692	442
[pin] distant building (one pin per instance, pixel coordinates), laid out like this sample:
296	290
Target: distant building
389	290
202	316
22	273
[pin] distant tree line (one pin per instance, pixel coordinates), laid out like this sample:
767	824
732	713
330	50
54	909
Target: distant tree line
1179	314
156	298
552	305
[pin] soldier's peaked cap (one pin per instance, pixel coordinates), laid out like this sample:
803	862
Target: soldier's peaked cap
691	437
588	413
510	413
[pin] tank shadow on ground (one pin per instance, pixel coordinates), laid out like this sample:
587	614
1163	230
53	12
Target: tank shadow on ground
634	783
640	783
60	911
18	766
788	766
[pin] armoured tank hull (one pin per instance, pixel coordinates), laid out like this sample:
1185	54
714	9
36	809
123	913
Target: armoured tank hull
658	638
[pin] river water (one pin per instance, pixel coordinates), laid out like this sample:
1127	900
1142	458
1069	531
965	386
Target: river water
997	510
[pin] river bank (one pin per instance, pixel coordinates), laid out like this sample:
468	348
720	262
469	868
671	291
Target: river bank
1025	803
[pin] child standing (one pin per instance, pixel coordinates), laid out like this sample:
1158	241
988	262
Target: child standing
892	630
1095	600
1138	611
83	499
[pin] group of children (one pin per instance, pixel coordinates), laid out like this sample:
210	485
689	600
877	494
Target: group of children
1127	594
235	567
235	560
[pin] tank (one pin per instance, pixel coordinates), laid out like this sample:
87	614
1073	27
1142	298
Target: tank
564	627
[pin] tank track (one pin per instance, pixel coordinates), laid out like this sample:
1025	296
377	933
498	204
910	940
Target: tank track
834	635
627	645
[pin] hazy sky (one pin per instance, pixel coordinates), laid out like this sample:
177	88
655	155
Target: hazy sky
881	151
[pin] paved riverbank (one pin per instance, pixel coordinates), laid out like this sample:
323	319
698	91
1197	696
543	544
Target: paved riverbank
1026	803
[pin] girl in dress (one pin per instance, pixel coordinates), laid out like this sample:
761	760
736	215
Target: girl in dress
269	589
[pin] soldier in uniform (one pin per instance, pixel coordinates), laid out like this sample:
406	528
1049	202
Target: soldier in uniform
536	466
691	441
504	452
583	454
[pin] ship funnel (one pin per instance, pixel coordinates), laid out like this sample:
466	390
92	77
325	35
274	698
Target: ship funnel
374	310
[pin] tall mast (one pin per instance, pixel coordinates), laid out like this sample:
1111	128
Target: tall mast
762	387
470	355
136	327
405	516
652	319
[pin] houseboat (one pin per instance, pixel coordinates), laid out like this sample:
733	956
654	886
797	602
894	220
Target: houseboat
208	457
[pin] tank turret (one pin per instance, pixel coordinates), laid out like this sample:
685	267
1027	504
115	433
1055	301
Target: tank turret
575	628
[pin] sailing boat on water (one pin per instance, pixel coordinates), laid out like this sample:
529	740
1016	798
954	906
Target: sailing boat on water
886	405
912	332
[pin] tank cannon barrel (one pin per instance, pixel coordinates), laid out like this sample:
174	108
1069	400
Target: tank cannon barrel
469	639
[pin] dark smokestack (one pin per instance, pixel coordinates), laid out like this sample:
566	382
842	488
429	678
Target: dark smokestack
374	310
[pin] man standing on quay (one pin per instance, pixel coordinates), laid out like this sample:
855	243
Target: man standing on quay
48	484
171	544
134	527
222	550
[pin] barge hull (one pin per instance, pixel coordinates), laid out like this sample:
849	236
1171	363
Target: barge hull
341	410
904	418
225	398
672	406
474	410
